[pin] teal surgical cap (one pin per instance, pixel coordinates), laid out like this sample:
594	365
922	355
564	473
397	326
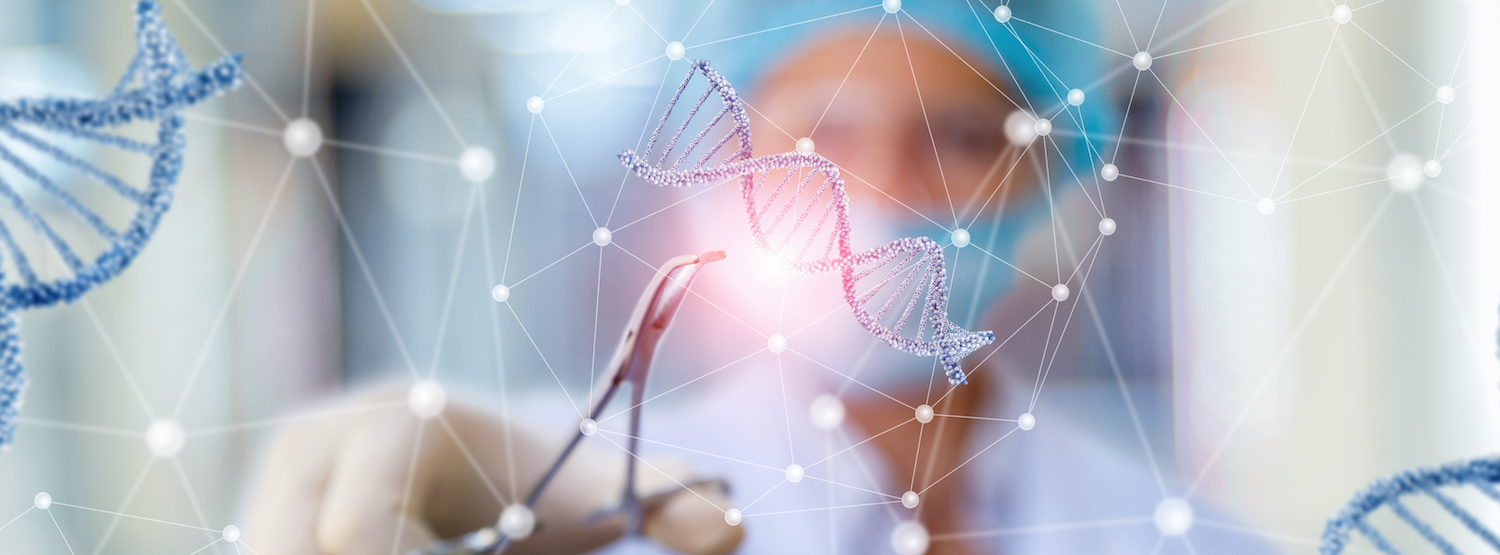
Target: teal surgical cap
1043	47
1041	50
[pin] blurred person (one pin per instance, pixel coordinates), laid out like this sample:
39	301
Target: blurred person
340	486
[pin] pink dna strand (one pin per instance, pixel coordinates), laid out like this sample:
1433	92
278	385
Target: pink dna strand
798	213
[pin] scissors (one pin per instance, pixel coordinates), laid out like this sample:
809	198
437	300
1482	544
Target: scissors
632	361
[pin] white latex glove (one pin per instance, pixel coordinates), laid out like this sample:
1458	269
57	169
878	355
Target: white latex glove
335	486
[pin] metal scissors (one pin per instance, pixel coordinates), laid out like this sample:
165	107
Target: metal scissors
632	362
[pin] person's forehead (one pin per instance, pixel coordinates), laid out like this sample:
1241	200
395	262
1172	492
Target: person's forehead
852	55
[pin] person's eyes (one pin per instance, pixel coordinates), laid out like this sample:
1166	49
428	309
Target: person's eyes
968	138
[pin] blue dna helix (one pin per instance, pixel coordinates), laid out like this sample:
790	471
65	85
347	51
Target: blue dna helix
1480	475
59	226
798	213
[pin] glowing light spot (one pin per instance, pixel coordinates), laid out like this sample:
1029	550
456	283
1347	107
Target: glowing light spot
910	538
794	473
164	438
827	412
302	138
1405	172
426	399
476	163
517	522
1174	517
1445	94
776	343
1342	14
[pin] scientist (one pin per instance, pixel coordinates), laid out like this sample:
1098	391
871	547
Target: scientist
919	127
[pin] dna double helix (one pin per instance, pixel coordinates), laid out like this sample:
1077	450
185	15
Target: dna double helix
1440	485
71	224
798	213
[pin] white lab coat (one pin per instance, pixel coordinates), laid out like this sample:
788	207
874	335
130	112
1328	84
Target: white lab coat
1054	489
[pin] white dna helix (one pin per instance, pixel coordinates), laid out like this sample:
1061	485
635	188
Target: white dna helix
798	213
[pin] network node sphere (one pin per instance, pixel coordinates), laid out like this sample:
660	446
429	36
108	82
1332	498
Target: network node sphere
622	2
1110	172
1002	14
1141	61
1020	128
476	163
891	6
602	236
910	538
535	104
1266	206
805	145
776	343
924	414
426	398
588	427
1174	517
42	500
1026	421
517	522
1405	172
733	517
1043	127
1432	168
1342	14
164	438
500	293
675	50
910	499
302	137
960	238
1107	226
1075	97
1060	292
1445	94
794	473
231	533
826	412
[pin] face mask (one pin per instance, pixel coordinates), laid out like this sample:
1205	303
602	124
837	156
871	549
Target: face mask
976	282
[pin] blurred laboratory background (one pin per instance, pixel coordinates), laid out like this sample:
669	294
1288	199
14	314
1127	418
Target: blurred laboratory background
1268	364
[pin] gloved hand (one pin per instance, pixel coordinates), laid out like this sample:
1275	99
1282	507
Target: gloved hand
336	485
